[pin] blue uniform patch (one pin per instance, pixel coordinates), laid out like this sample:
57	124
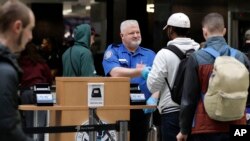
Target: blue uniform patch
108	54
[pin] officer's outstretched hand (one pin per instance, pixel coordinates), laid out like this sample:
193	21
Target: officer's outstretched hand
145	72
151	101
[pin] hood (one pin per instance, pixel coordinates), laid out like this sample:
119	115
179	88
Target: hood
82	35
184	44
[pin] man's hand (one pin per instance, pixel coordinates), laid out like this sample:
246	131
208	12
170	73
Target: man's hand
145	72
181	137
151	101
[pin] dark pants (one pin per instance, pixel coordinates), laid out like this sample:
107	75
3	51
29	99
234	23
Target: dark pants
27	97
139	125
209	137
170	126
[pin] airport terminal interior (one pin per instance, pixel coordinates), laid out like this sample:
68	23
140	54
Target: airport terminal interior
56	19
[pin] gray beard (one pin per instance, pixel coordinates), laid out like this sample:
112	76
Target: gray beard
135	43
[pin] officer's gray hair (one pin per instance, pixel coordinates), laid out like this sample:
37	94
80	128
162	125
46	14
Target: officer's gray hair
127	23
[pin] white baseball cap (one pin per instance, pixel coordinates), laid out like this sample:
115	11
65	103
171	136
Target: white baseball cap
178	20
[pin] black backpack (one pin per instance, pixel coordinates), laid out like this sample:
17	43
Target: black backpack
176	91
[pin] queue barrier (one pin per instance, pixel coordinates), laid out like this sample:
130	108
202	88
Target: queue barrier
122	126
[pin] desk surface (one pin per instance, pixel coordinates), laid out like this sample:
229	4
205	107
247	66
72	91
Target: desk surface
77	108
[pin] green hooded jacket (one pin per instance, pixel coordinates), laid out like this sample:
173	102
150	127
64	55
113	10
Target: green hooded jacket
78	60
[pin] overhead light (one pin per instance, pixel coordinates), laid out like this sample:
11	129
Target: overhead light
67	34
150	8
67	11
88	7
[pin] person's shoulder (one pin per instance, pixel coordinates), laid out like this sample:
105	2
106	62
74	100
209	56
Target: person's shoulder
242	55
147	50
238	52
201	53
6	68
79	49
114	46
111	50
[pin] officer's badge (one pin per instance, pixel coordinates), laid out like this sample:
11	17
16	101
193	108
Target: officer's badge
108	54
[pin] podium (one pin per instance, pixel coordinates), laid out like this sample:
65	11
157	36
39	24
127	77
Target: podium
74	91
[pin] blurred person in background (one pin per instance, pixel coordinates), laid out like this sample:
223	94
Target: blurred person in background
78	60
246	45
49	51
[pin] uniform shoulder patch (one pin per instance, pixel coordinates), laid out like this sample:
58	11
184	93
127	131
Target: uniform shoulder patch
108	54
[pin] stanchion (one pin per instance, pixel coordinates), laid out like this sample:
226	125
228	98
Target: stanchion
92	121
123	131
35	120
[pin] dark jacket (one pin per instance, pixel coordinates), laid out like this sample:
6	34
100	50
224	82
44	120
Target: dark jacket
192	113
10	122
78	60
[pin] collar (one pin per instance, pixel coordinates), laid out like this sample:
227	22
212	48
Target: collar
139	50
217	43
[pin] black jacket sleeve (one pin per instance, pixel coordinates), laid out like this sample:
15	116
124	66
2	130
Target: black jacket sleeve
190	95
10	122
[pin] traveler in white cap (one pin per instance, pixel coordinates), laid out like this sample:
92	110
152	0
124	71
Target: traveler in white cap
165	65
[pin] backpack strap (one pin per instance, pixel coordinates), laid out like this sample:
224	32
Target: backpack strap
176	51
179	54
233	52
215	53
212	52
170	89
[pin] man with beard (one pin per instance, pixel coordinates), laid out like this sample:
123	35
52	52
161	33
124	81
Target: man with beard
17	22
129	60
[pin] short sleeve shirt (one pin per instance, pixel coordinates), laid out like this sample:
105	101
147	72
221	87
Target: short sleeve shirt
119	56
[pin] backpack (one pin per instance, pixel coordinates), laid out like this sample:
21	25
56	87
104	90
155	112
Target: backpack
176	90
226	96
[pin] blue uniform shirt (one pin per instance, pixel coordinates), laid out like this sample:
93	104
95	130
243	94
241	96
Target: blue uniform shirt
119	56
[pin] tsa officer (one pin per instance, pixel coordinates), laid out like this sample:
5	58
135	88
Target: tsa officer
130	60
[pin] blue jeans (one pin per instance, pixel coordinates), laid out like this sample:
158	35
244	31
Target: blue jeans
170	126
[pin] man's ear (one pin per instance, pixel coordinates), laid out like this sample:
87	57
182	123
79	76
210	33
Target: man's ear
17	26
224	31
204	31
121	35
